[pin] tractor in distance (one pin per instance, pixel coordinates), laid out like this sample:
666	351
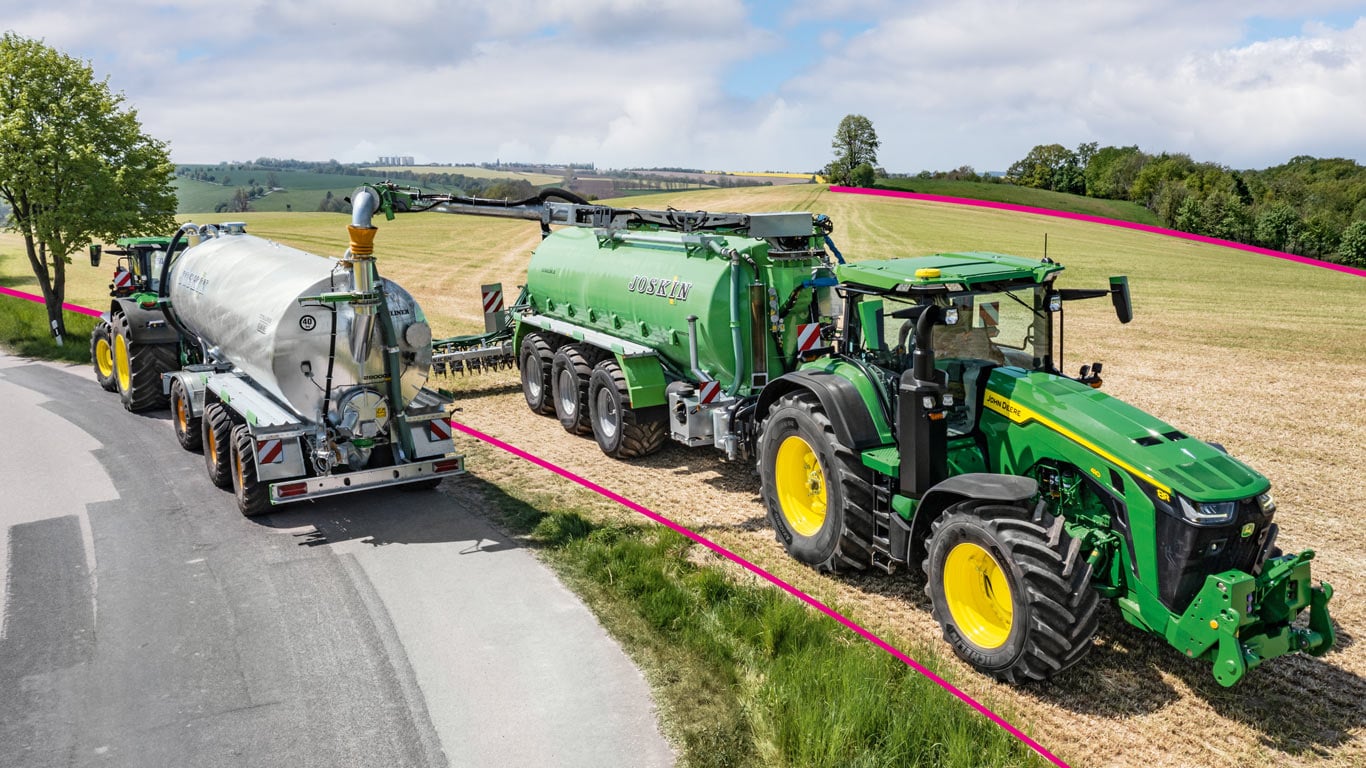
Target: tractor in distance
907	413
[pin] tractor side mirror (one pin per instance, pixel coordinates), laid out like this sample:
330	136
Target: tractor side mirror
94	254
1119	295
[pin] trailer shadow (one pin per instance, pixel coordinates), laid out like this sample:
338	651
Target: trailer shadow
450	513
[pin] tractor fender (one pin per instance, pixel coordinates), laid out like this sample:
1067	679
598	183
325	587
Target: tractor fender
146	326
972	486
838	397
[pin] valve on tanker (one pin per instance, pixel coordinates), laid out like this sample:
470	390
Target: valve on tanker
362	418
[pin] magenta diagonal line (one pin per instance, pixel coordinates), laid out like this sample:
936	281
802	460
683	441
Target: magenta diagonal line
809	600
1100	220
68	307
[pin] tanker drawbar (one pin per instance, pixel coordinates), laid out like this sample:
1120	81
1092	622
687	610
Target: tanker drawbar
298	376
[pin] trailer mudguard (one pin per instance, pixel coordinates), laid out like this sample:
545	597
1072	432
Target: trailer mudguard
843	403
145	326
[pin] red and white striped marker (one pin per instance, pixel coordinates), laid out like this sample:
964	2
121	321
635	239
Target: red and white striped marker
990	313
122	278
808	336
438	429
270	451
493	298
709	392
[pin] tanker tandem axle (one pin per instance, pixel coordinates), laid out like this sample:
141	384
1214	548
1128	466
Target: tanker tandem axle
908	413
298	376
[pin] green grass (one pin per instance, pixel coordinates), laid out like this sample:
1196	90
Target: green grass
744	674
1122	210
24	331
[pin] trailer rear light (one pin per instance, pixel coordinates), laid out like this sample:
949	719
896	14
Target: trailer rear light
446	465
291	489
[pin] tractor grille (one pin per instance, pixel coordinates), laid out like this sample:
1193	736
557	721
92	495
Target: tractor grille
1187	553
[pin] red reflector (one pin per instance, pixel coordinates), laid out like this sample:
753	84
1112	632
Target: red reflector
292	489
446	465
148	305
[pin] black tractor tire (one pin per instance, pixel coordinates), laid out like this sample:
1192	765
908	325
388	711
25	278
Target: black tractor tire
621	431
216	430
429	484
253	496
570	370
535	361
819	496
138	368
102	355
187	426
1047	617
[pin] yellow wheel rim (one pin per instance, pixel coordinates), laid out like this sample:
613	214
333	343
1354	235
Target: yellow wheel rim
211	442
978	596
800	483
121	369
182	419
104	358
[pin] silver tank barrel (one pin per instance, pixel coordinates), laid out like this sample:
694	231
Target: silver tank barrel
240	294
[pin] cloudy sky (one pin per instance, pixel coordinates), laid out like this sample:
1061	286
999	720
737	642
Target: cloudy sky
723	84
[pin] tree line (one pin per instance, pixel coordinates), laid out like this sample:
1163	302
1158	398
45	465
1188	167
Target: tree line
1308	206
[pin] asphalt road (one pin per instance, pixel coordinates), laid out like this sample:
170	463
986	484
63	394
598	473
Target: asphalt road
147	623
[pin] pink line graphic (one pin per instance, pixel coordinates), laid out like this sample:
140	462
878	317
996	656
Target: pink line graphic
68	307
809	600
1099	220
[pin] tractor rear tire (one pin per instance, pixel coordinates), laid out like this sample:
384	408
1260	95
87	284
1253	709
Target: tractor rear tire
622	432
253	496
1010	591
535	361
217	433
138	368
188	427
569	374
819	496
102	355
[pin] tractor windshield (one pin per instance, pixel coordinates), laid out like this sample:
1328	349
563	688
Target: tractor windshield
1007	327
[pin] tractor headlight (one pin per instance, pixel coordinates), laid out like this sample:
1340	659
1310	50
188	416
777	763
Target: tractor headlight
1267	504
1208	513
1054	302
951	316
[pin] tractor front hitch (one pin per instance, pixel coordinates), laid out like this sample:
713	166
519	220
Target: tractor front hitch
1237	621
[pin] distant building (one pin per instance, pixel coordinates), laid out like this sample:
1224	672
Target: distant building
396	160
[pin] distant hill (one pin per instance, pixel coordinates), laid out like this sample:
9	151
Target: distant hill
1036	198
293	190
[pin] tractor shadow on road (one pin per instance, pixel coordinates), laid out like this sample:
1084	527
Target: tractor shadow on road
451	513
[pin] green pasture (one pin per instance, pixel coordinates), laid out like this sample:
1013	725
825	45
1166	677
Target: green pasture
1122	210
472	171
303	190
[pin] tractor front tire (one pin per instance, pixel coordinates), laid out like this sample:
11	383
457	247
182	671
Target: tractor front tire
253	496
1010	591
818	494
216	430
622	432
138	368
188	427
569	374
102	355
535	363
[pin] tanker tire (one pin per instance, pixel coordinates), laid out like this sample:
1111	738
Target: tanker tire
140	387
1053	608
187	426
102	355
837	537
622	432
429	484
253	496
535	362
569	374
217	434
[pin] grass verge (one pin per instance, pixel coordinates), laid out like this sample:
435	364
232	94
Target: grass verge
743	674
24	331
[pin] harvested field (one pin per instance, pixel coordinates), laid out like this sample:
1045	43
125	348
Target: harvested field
1264	356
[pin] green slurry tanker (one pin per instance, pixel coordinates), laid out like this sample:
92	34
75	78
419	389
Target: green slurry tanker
908	413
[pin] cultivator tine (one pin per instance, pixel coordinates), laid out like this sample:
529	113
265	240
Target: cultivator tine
449	359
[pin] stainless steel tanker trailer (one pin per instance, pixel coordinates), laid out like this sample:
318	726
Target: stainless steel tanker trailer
298	376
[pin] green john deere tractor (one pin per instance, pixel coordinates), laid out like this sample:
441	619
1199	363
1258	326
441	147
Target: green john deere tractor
131	345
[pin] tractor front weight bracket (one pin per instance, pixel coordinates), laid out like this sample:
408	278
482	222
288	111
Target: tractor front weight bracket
1238	621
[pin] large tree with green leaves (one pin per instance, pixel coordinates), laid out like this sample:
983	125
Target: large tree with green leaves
75	165
855	145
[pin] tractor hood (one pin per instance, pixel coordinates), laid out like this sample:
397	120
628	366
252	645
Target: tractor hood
1050	407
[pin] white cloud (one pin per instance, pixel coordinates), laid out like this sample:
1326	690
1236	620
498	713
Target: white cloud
634	82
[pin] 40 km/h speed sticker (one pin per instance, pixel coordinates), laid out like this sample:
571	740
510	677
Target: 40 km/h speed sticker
308	322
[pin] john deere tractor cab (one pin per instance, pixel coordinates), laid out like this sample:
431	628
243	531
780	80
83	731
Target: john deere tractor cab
1026	495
